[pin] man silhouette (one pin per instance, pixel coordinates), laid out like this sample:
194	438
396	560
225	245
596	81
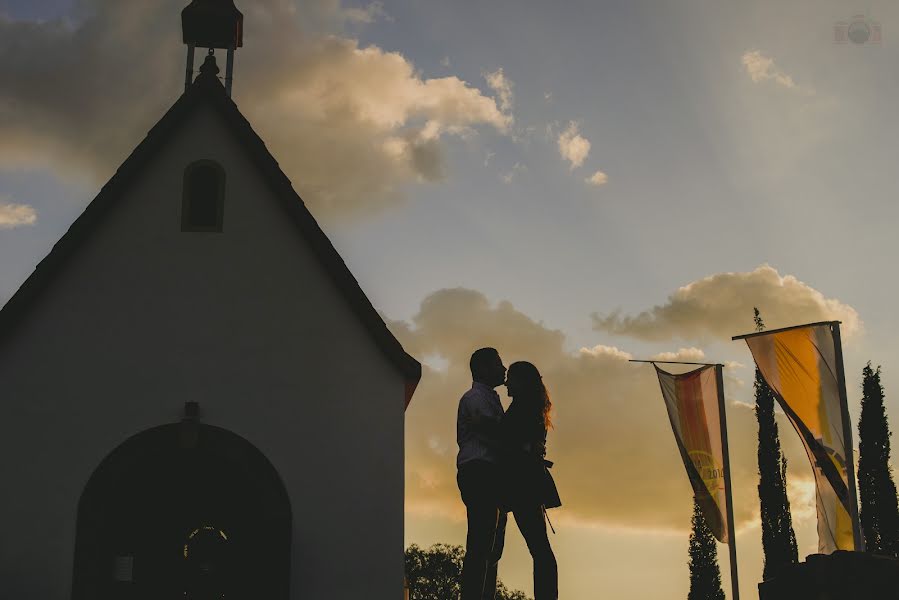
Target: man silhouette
477	432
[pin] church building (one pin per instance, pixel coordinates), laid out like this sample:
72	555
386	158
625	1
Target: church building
197	400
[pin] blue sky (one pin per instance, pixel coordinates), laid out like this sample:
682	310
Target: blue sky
45	9
732	136
708	171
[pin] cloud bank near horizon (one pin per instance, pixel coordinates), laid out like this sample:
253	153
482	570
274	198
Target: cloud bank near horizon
616	461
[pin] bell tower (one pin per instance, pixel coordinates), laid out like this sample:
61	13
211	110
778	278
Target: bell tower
212	24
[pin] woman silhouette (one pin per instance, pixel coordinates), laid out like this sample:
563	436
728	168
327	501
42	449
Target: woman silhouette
529	487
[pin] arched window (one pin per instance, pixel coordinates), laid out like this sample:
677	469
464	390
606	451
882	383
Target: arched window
202	207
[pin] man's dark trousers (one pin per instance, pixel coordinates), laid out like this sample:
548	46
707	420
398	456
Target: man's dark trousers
480	487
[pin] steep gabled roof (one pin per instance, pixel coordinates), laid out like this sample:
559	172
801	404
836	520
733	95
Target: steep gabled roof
208	90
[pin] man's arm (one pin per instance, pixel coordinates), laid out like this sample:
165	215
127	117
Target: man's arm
482	419
489	426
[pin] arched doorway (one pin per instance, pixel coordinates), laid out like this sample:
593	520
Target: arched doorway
192	513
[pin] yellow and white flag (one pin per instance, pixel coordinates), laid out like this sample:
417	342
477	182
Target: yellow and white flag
693	403
803	368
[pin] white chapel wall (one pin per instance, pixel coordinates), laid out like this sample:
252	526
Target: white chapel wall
247	323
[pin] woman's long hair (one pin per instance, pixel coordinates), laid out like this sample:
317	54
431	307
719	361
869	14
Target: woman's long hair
527	375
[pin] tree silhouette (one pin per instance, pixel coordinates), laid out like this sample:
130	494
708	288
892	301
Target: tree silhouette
778	537
879	511
705	576
434	574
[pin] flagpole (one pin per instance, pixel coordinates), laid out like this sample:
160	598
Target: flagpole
781	330
675	362
847	439
728	496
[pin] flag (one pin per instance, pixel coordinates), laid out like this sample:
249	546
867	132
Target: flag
802	366
693	403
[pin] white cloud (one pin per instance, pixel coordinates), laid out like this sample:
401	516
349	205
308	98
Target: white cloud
720	306
802	494
691	354
351	125
599	178
602	351
762	68
445	62
14	215
501	84
573	146
368	14
517	168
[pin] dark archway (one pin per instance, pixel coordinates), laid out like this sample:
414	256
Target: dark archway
183	511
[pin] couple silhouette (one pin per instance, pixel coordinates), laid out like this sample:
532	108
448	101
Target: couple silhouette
501	469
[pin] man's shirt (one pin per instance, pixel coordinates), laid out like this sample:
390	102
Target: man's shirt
480	411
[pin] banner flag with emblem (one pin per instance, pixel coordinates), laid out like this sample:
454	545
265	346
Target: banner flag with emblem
695	403
803	366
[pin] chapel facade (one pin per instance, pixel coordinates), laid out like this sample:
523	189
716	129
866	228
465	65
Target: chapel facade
198	400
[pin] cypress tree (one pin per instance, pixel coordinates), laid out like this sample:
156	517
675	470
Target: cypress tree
705	577
879	511
778	537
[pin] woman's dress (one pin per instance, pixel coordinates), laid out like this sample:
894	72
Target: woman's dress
525	448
